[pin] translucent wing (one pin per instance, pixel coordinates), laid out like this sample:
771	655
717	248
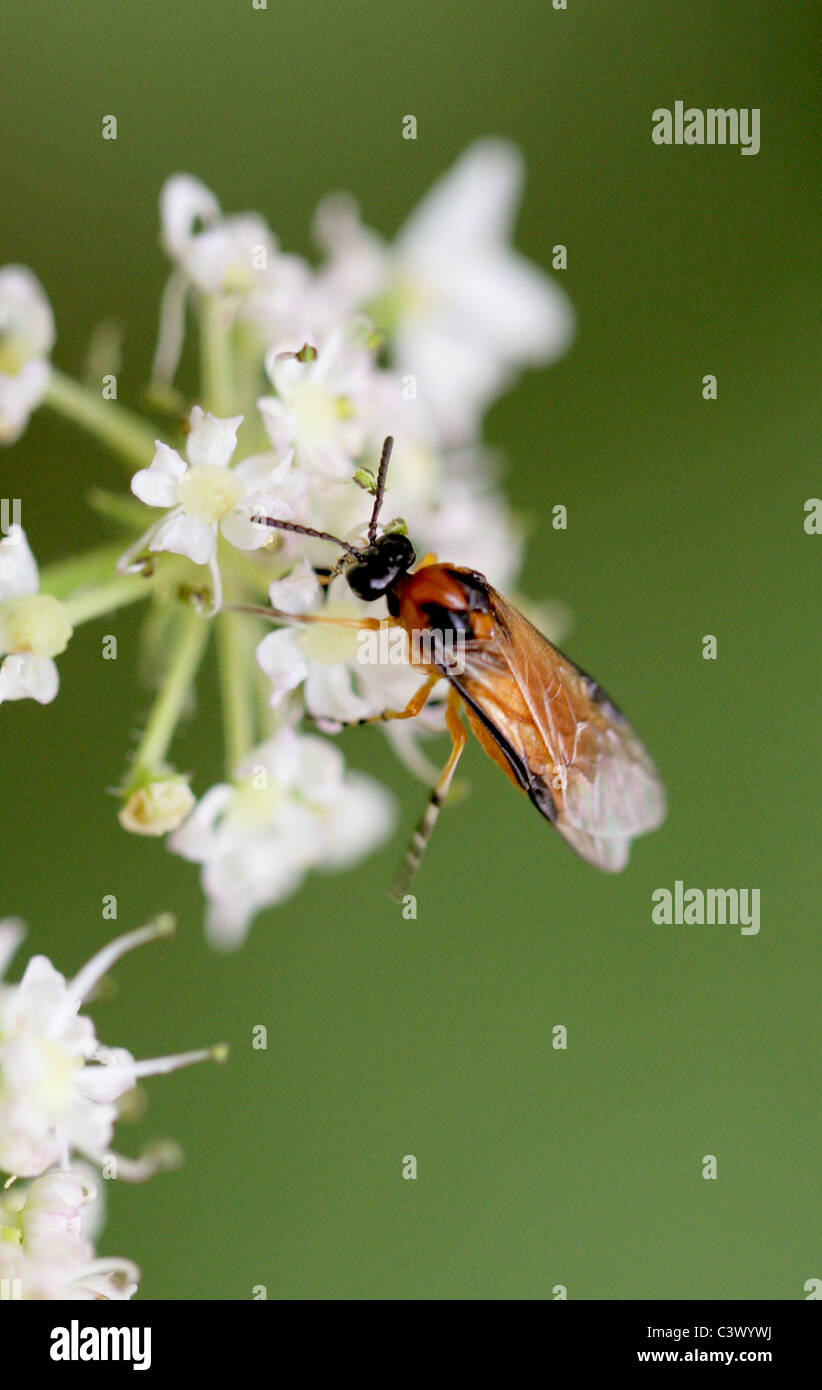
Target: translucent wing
559	737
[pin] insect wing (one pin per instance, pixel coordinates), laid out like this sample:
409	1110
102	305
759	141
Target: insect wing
568	736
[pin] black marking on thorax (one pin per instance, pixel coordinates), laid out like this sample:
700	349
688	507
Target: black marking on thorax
537	788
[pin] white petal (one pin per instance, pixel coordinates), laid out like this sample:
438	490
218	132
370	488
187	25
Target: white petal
20	394
196	837
474	202
26	319
521	314
299	592
18	567
12	931
358	258
211	439
320	769
227	921
280	658
363	818
28	678
457	376
263	472
185	535
157	485
226	259
184	201
286	372
240	530
280	754
330	695
281	424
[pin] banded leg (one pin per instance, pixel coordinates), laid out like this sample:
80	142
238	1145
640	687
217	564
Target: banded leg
425	829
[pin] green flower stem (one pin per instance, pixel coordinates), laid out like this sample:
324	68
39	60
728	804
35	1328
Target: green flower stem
249	385
124	433
188	651
216	367
266	718
79	571
237	669
120	507
123	589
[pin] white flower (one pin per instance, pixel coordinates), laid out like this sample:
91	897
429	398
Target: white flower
34	627
45	1244
319	414
340	687
292	807
234	260
219	255
465	519
464	311
205	497
58	1085
26	339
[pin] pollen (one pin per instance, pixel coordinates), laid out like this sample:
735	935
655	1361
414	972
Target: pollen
208	493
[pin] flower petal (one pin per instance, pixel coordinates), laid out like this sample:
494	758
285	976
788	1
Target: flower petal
26	318
28	678
18	568
240	530
330	695
184	201
157	485
195	838
280	658
12	931
211	440
281	424
185	535
299	592
20	394
474	201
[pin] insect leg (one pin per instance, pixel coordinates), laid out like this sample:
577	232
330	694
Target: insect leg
295	619
425	829
417	702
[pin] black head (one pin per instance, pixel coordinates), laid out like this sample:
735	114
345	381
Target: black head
375	567
380	565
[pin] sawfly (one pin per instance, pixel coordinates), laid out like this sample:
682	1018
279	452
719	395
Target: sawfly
550	728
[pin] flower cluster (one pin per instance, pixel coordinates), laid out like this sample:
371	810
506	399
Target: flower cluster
305	369
60	1089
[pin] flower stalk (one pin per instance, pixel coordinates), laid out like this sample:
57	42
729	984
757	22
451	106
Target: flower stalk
124	433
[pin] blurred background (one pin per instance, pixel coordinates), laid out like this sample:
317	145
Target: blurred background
536	1167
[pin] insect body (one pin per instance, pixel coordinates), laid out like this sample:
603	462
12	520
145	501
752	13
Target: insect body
547	725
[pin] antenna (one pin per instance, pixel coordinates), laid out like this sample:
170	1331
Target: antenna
305	531
380	492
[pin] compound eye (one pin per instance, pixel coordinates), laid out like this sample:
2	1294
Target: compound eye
398	552
380	566
364	583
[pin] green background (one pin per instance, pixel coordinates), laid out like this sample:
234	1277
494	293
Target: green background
536	1167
